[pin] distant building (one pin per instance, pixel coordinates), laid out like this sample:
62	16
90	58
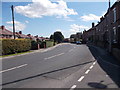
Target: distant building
73	38
20	35
4	33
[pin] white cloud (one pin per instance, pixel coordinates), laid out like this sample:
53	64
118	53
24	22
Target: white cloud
18	26
26	21
59	30
74	28
77	28
90	17
40	8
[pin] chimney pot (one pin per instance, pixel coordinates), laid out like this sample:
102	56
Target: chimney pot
20	32
93	24
3	27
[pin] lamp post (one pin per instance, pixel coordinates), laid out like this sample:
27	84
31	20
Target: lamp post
109	27
12	8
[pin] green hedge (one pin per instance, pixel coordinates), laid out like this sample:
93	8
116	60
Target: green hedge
34	44
10	46
49	43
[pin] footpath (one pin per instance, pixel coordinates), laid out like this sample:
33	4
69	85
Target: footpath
107	68
103	74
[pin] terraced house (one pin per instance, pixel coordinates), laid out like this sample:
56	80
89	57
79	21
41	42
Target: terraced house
107	30
106	33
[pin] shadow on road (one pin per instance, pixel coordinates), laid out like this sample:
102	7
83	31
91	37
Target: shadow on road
97	85
108	63
41	74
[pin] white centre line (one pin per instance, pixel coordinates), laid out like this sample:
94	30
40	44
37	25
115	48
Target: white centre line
82	77
94	63
87	71
74	86
13	68
91	67
70	50
54	56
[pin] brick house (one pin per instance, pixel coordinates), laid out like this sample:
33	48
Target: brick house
108	28
89	36
4	33
20	35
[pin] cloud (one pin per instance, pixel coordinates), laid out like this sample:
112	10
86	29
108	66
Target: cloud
74	28
40	8
18	25
77	28
58	30
90	17
26	21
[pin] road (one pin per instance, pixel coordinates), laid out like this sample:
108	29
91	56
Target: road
65	66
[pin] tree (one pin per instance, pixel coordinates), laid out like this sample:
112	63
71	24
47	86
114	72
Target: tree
52	37
58	37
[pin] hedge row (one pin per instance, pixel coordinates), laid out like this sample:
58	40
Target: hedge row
43	44
10	46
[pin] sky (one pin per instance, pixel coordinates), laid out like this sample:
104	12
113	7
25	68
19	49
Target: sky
44	17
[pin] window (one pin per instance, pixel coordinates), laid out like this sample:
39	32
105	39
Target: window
115	34
114	13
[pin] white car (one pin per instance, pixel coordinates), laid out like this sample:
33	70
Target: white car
78	42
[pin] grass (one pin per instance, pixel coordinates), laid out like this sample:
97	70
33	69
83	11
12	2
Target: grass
15	54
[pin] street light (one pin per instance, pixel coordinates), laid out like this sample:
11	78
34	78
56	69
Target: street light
109	27
12	8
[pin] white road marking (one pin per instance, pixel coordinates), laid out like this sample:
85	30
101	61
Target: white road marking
106	75
94	63
13	68
74	86
70	50
74	47
91	67
82	77
87	71
54	56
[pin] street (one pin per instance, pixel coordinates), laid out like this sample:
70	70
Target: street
65	66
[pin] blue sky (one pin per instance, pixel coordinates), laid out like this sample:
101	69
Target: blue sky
44	17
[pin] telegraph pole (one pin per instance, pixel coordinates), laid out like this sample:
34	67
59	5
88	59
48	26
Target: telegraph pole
13	21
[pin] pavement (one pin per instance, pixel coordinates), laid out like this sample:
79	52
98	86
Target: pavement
64	66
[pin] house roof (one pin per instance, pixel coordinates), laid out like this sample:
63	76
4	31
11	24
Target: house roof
21	35
5	31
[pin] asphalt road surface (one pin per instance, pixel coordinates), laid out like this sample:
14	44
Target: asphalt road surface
65	66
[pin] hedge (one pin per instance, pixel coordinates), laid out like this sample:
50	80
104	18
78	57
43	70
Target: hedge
10	46
49	43
34	44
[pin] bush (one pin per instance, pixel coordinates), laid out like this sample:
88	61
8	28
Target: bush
10	46
34	45
49	43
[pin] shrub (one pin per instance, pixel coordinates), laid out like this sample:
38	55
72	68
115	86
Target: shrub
10	46
49	43
34	45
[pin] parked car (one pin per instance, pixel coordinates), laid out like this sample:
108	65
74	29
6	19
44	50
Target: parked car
78	42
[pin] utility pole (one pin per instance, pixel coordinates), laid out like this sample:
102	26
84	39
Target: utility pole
109	28
13	21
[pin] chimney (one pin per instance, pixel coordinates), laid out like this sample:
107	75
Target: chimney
101	19
3	27
20	32
93	24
